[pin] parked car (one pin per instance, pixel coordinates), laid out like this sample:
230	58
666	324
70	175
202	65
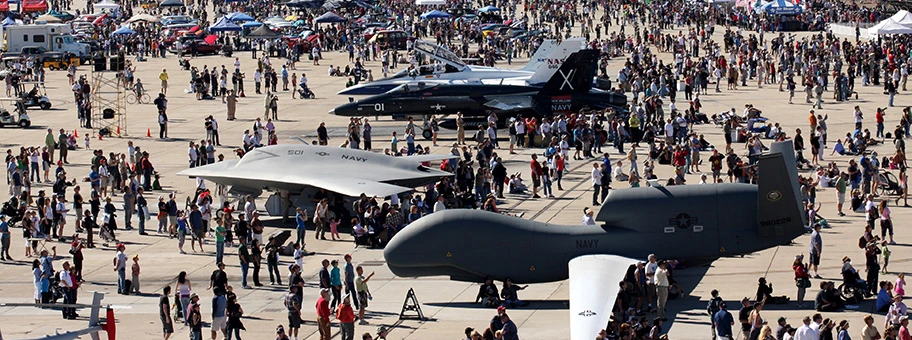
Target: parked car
202	47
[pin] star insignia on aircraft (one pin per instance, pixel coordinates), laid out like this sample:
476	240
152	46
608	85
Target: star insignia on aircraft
322	154
588	313
438	107
683	221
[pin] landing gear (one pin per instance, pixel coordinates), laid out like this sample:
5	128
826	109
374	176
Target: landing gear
426	128
427	134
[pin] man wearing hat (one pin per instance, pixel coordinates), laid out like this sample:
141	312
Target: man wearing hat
722	322
120	266
323	314
293	304
346	317
382	332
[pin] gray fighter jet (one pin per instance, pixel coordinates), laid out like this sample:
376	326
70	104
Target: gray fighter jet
301	170
676	222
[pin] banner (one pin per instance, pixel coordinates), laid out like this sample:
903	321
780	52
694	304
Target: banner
33	6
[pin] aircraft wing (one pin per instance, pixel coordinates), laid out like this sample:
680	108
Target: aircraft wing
593	290
227	173
512	103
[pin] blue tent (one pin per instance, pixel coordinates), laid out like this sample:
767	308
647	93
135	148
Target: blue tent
124	30
329	17
782	7
305	3
8	22
435	14
224	25
488	9
238	16
251	24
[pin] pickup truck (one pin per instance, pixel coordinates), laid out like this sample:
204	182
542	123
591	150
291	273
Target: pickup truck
40	52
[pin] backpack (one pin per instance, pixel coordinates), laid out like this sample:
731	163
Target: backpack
714	305
862	242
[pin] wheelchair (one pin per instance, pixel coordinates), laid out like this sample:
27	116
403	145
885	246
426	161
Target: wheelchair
853	289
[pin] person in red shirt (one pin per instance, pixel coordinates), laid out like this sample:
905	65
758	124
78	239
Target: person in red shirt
346	316
879	117
323	314
536	176
904	330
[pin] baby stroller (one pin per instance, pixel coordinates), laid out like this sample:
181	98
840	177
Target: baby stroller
11	209
107	230
888	184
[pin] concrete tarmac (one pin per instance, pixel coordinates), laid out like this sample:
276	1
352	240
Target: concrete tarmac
449	305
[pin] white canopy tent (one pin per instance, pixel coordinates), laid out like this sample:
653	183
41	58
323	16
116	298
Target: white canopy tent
430	2
105	4
889	26
903	17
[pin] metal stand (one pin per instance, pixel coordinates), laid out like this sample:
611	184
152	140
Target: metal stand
411	305
109	104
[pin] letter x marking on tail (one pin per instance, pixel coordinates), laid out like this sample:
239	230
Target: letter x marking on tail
566	80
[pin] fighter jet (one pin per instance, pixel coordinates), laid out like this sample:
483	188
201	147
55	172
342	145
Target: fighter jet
702	222
302	170
448	68
95	326
567	90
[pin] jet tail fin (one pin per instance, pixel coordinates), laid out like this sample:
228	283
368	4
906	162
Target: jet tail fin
779	207
545	65
540	56
574	75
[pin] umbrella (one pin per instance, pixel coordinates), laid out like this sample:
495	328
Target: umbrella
263	33
124	30
329	17
171	3
238	16
435	14
430	2
105	4
48	18
488	9
143	17
251	24
224	25
298	23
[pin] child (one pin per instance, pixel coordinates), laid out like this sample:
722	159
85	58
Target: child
334	230
298	255
135	269
87	139
886	256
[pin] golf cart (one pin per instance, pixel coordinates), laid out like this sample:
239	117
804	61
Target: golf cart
19	117
34	97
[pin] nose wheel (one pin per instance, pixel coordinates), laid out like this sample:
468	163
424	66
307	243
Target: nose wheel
427	134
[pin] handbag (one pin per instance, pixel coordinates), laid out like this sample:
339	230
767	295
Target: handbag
803	282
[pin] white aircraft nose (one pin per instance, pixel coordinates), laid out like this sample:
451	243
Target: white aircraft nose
332	111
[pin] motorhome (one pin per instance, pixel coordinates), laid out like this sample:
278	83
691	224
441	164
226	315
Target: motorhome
51	37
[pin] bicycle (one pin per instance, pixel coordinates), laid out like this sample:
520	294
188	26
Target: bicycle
133	98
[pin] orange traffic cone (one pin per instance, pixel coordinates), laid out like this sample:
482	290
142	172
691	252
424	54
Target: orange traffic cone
149	133
99	136
75	133
118	130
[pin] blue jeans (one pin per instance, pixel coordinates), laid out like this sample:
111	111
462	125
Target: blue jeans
219	251
122	280
142	222
35	172
301	233
244	268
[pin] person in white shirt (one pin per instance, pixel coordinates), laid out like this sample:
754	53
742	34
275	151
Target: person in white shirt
439	206
587	216
651	268
193	154
596	182
669	131
618	172
805	332
62	212
662	283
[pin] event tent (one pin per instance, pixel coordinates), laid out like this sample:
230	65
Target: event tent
430	2
329	17
903	17
124	30
889	26
782	7
252	24
263	33
143	17
224	25
49	19
238	16
105	4
435	14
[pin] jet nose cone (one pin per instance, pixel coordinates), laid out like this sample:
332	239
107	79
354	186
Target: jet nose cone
332	112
